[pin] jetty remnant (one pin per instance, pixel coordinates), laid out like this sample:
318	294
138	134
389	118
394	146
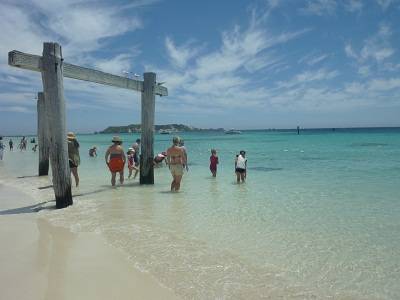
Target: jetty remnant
53	68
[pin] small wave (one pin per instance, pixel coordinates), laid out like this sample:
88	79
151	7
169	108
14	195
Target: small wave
265	169
368	145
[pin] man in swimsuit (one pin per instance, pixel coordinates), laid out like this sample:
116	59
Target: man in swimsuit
115	160
176	160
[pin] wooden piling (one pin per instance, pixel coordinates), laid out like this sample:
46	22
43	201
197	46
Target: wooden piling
147	139
52	77
42	136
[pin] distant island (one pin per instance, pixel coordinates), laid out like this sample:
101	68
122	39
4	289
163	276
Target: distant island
171	128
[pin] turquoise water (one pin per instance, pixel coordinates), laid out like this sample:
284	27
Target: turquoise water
318	217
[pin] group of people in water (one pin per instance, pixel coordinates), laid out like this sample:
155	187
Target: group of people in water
175	158
22	145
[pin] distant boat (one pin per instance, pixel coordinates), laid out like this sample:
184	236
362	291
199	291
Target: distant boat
164	131
233	131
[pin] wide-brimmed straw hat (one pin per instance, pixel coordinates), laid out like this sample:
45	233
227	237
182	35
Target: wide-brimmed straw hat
116	139
71	136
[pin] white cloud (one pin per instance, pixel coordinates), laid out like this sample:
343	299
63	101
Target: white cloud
84	29
179	56
115	65
19	109
354	6
273	3
320	7
80	27
378	46
364	70
385	3
384	84
374	53
313	59
240	48
350	52
222	78
307	77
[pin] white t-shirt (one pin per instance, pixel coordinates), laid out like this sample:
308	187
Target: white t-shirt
241	162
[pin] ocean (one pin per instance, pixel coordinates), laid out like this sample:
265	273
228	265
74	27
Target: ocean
318	218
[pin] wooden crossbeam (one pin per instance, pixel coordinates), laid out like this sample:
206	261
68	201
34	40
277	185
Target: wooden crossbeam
33	62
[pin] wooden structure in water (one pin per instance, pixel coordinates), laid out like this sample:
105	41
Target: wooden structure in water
52	115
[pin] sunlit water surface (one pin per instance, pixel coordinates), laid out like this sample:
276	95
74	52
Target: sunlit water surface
318	218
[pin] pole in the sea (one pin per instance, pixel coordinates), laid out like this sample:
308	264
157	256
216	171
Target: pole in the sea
298	130
42	133
147	139
53	87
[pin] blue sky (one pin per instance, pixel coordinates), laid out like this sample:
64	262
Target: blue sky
241	64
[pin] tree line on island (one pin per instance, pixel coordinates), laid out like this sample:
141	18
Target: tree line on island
170	128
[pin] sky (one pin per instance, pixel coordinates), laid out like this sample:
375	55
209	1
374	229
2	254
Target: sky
232	64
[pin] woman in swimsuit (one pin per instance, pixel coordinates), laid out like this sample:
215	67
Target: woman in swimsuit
73	155
115	160
176	160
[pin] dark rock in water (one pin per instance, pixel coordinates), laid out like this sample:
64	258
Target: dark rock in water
265	169
368	145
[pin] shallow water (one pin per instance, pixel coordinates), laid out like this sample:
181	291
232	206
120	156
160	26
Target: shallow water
318	217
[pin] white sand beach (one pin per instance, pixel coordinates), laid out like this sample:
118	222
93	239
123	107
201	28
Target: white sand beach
41	261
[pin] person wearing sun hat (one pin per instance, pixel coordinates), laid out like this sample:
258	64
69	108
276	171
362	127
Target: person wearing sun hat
115	159
131	162
73	156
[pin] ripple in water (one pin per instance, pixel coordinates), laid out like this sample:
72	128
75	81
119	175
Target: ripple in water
368	145
265	169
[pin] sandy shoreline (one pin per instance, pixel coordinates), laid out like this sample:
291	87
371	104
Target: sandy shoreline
41	261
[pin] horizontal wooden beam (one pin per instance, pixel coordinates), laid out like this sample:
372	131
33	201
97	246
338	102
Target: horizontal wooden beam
33	63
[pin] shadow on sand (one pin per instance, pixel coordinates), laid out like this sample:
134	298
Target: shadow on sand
27	176
28	209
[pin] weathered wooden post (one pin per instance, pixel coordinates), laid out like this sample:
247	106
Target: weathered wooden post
52	77
147	139
42	136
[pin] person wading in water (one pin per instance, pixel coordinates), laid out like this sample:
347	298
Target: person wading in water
176	161
115	160
73	155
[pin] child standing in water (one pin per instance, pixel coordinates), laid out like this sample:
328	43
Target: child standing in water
213	162
131	161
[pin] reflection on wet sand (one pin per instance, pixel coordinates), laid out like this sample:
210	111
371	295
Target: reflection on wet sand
53	250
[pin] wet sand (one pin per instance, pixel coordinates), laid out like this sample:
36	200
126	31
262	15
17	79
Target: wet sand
41	261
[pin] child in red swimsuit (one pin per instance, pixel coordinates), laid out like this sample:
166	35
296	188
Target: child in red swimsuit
213	162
